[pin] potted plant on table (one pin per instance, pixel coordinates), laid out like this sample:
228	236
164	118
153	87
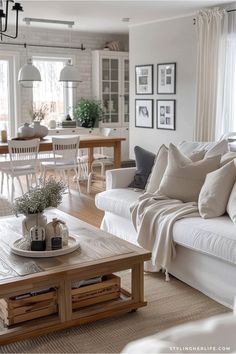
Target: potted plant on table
33	203
87	112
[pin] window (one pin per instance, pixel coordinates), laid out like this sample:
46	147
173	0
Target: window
51	93
7	95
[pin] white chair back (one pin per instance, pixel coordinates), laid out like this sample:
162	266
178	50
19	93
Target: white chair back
23	152
66	148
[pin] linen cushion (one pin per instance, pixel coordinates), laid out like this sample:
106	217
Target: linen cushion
144	162
215	191
215	237
229	156
183	179
117	201
220	148
158	170
197	155
231	206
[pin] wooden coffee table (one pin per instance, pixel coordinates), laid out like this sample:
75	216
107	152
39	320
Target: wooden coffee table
100	254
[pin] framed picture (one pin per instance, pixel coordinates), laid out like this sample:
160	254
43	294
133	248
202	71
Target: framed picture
166	114
144	113
166	78
144	79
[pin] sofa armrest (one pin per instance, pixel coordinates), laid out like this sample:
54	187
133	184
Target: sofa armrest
120	177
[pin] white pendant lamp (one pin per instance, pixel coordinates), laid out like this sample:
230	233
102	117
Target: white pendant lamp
28	74
69	75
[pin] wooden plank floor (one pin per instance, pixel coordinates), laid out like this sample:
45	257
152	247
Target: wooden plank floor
80	205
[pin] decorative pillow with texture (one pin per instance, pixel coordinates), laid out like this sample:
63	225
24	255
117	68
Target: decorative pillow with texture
158	170
183	179
144	162
231	206
197	155
229	156
215	191
220	148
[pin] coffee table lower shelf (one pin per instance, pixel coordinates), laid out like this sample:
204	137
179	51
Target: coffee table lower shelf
51	323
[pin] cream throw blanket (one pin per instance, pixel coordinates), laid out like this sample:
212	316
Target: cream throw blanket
153	217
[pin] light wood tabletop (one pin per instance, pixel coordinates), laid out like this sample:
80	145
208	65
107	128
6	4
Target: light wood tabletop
99	254
88	141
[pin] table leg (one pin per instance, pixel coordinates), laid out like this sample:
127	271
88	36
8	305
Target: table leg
117	154
90	159
138	283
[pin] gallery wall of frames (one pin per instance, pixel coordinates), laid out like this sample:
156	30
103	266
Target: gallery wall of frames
165	106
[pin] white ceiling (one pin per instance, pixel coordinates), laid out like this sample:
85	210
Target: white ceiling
105	16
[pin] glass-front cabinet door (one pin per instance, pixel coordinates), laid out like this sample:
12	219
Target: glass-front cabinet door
110	90
126	92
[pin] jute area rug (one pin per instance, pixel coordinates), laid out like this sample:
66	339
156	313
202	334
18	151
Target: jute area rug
169	304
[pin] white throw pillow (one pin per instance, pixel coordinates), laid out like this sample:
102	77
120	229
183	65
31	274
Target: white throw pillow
197	155
158	170
220	148
183	179
231	206
215	191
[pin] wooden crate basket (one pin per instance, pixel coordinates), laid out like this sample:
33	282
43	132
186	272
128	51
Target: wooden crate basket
20	309
106	290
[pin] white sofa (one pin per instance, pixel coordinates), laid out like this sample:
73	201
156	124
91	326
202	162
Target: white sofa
205	248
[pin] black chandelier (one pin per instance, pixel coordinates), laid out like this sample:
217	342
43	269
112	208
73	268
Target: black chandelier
4	18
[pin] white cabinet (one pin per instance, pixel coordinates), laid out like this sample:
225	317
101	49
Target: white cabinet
110	73
72	131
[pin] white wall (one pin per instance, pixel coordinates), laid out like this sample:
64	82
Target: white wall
165	42
83	59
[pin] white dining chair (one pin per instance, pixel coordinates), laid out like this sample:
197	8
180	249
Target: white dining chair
23	162
65	153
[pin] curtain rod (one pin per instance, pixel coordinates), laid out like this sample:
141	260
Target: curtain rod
45	46
194	20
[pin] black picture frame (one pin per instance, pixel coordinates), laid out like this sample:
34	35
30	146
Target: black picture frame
166	114
166	78
144	113
144	79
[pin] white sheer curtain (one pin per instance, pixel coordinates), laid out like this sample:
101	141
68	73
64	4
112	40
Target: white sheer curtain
212	28
227	115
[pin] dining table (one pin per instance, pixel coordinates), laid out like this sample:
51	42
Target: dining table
87	141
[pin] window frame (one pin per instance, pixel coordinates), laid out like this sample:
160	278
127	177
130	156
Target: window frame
13	59
53	57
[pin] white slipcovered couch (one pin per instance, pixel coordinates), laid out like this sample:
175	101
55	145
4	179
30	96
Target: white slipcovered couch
205	248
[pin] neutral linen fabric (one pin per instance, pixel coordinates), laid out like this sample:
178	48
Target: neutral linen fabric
216	190
231	206
214	237
220	148
208	333
228	113
144	162
158	170
183	179
120	177
117	201
197	155
153	217
211	25
189	147
229	156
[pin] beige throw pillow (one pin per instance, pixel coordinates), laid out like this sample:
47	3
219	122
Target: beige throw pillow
229	156
215	191
158	170
220	148
183	179
197	155
231	206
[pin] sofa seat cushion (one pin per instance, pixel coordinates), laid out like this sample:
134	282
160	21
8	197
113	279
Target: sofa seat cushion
117	201
215	237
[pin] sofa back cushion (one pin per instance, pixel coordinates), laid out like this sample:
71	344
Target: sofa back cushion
231	206
183	179
216	190
229	156
211	148
158	170
144	162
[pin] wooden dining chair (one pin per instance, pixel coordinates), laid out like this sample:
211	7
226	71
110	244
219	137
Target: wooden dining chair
23	162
